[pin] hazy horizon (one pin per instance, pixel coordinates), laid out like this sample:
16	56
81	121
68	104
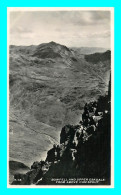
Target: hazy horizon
60	44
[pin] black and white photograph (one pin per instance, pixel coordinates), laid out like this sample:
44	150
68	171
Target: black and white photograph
60	97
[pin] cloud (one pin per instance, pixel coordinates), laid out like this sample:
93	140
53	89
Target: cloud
19	29
67	27
92	18
103	34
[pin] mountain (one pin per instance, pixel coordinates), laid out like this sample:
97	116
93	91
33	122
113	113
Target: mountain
52	50
49	85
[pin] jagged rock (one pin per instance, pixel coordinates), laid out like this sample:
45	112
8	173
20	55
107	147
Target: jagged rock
53	154
67	134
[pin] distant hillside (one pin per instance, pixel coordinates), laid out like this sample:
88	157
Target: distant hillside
49	85
16	168
98	57
89	50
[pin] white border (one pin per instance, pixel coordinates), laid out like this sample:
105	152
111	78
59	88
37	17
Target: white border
111	9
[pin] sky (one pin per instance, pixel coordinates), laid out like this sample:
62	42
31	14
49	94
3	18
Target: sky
70	28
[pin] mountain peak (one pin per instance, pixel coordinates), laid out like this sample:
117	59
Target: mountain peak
53	43
52	50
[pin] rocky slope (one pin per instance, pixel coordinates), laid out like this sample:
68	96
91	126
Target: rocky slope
49	85
83	156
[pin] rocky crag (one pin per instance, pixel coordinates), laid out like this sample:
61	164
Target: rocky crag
84	151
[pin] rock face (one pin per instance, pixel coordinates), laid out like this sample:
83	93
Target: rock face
84	150
49	86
